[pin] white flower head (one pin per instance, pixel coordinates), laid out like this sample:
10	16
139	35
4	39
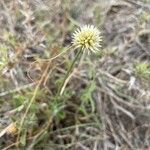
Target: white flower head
87	37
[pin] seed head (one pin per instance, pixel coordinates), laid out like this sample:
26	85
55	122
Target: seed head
87	37
11	129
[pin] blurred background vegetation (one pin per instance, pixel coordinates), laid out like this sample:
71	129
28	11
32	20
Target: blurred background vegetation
106	102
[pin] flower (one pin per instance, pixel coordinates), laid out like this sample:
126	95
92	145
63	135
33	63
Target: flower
87	37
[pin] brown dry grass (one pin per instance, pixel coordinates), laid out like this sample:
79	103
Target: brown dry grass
106	103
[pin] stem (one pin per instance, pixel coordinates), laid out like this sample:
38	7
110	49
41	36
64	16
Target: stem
70	70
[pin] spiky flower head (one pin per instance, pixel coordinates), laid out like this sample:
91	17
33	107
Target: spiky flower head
87	37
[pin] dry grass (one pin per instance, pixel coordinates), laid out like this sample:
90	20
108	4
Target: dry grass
105	101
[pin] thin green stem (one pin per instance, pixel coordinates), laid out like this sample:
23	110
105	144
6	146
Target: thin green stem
70	70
